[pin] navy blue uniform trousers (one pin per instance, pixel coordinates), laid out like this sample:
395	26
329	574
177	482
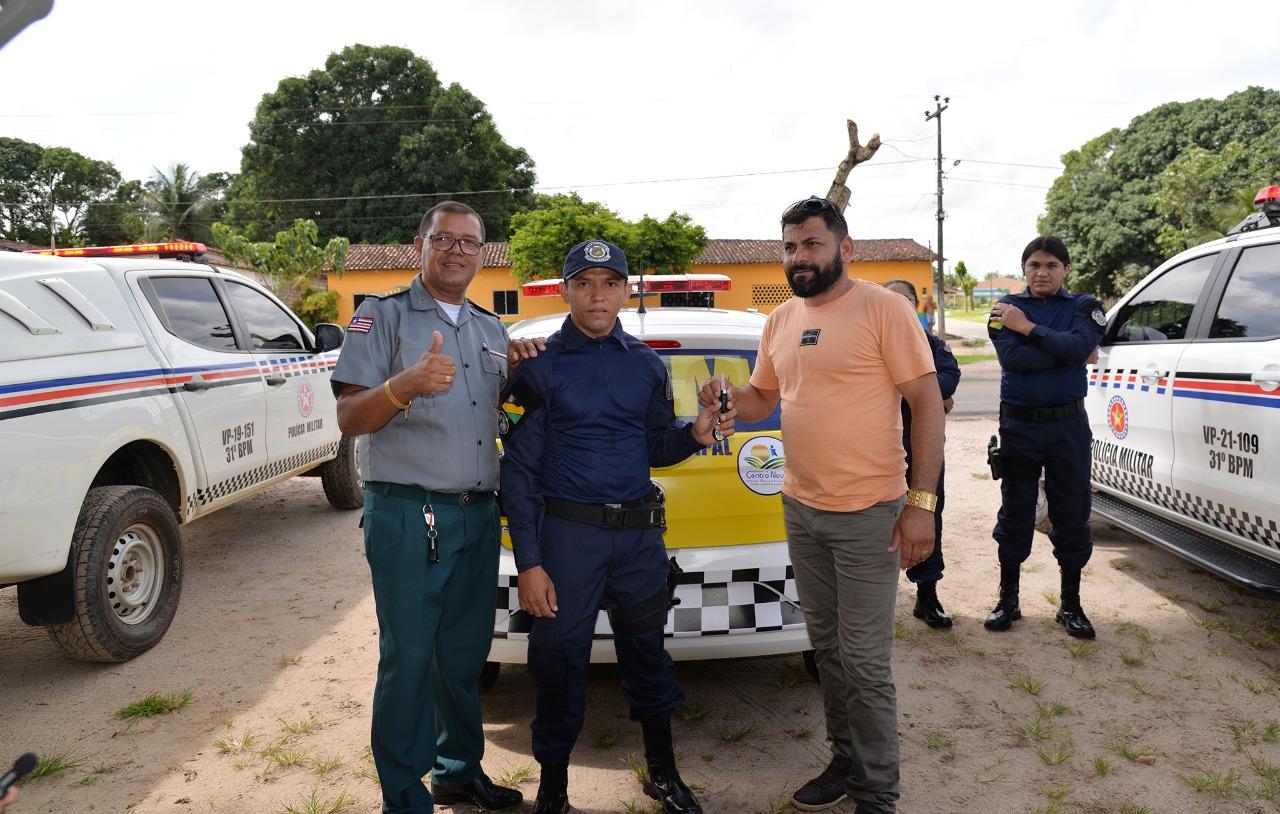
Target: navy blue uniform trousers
930	568
594	568
1061	449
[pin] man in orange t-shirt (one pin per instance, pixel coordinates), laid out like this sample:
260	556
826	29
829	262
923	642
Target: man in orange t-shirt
840	357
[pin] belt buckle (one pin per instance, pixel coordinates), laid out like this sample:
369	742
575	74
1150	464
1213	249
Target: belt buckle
466	498
613	516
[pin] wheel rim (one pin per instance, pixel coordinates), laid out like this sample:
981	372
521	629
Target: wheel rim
134	574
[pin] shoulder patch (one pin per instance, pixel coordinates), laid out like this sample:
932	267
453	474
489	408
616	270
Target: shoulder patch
1099	317
482	309
390	292
519	399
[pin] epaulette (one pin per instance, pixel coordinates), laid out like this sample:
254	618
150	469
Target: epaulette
390	292
482	309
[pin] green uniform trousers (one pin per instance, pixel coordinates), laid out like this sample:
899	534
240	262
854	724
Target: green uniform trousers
435	623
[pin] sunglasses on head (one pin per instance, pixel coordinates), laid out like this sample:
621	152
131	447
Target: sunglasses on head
812	205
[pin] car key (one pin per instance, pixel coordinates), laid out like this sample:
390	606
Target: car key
433	547
724	394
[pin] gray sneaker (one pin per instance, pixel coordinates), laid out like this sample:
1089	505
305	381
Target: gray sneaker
825	790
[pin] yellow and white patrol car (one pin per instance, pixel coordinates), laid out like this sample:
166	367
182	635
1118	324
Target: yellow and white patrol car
137	394
724	508
1184	404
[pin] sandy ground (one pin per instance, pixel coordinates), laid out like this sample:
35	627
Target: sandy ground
277	631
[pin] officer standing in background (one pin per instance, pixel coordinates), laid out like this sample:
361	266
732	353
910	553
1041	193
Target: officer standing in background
1043	337
417	383
926	575
587	419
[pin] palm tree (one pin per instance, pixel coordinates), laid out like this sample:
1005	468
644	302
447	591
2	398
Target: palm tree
181	205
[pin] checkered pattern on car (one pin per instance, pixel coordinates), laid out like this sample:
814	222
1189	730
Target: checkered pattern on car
262	474
1231	519
712	603
1122	379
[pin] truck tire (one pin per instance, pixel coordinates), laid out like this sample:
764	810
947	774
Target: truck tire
126	562
341	477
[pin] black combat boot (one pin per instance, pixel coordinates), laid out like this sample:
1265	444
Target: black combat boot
553	789
1071	615
1006	611
928	607
663	783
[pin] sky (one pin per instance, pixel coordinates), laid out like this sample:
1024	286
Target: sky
727	111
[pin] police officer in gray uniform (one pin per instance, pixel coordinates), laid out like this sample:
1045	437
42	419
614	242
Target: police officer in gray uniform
418	383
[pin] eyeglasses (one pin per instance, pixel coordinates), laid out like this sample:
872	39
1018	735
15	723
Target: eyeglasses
812	204
443	243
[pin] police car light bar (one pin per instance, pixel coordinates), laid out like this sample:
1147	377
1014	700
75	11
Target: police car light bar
170	248
1266	214
653	284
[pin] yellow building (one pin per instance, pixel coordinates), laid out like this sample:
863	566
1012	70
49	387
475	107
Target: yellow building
754	266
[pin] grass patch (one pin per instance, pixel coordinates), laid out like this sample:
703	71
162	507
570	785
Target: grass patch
1055	754
325	765
234	746
55	763
789	677
692	711
303	727
1102	767
156	704
1132	659
1035	732
1026	683
971	358
1032	567
937	742
1080	650
1051	597
96	773
736	734
990	773
313	803
1132	808
1187	673
281	756
288	661
606	739
516	775
637	767
1051	710
800	732
1131	752
1219	783
1123	564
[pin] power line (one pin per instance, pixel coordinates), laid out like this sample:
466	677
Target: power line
1010	164
996	183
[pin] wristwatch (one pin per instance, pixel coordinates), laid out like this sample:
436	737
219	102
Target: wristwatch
922	500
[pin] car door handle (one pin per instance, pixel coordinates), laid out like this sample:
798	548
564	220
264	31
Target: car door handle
1268	378
1150	374
196	384
275	381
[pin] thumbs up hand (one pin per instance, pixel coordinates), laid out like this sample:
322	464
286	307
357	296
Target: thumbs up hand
434	371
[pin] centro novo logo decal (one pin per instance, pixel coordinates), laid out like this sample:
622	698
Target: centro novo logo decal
762	464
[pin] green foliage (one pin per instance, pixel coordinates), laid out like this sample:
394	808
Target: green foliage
183	204
541	238
155	704
375	121
44	187
1121	212
291	263
967	283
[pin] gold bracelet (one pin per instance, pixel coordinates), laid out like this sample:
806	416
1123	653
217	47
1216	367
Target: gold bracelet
922	500
395	401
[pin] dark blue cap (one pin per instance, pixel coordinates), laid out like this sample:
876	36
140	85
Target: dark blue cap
595	254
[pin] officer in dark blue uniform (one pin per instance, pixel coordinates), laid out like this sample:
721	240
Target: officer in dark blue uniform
587	418
928	572
1044	337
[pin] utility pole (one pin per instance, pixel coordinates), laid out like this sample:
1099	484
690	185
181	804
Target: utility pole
939	286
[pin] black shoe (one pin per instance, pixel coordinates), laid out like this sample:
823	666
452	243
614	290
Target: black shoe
825	790
1006	611
1076	623
553	789
663	782
551	802
481	793
929	608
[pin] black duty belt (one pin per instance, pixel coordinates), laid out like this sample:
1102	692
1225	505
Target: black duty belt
646	513
1041	413
417	493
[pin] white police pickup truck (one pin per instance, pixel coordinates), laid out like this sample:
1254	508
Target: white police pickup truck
1184	404
135	396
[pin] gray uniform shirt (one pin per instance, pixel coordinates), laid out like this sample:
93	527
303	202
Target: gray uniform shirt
449	442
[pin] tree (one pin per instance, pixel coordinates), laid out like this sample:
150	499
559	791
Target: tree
183	204
372	141
118	218
1104	202
49	188
292	263
967	283
19	161
541	238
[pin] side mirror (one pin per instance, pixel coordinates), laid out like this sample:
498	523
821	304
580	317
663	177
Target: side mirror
328	337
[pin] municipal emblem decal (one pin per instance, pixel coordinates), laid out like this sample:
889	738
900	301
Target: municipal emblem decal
1099	317
597	251
1118	417
762	464
306	398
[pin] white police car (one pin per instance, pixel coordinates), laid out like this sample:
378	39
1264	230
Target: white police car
137	395
1184	404
724	509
